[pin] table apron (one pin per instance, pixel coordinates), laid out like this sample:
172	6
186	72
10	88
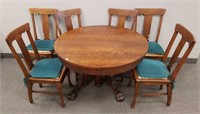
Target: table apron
103	71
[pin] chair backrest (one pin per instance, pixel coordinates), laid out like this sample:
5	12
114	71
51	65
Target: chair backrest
148	14
186	37
66	15
123	14
45	14
16	35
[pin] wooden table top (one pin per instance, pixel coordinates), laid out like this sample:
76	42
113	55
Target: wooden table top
101	50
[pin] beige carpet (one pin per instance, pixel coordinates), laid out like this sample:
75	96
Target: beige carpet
97	100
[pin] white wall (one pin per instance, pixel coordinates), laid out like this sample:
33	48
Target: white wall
94	12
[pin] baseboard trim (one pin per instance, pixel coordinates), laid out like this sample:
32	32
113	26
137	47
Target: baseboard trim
189	60
9	55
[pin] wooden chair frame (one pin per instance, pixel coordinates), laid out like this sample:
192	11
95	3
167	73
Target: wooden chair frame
122	15
16	35
66	16
148	14
186	37
45	13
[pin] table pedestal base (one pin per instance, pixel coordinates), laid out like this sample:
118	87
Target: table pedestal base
82	82
118	95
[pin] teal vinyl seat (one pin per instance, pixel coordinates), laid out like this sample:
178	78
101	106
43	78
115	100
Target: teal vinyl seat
46	68
155	48
43	45
152	69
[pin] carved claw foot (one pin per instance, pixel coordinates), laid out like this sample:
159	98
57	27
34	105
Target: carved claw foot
71	96
119	97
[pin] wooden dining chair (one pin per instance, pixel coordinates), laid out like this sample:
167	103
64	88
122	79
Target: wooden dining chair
43	40
155	72
155	49
123	16
42	71
67	16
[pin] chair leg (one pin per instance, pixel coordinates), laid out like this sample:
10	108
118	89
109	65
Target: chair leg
50	56
77	77
69	79
98	81
169	94
161	87
109	81
40	85
136	91
59	86
84	81
121	77
30	92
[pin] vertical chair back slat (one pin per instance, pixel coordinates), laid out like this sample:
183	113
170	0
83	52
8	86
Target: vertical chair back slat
45	26
68	23
25	52
147	26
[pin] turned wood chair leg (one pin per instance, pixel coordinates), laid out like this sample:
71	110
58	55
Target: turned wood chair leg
136	91
59	86
169	94
30	92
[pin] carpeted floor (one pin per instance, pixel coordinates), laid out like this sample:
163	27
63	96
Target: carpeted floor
98	100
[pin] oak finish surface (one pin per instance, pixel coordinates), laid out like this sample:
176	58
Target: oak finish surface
26	64
149	14
187	40
101	50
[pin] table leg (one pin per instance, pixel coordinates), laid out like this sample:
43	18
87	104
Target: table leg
74	93
97	81
118	95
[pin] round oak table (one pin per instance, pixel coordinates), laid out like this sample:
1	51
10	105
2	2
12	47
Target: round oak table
100	51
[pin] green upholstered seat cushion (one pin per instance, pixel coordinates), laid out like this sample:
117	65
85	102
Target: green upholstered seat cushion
43	45
149	68
155	48
46	68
